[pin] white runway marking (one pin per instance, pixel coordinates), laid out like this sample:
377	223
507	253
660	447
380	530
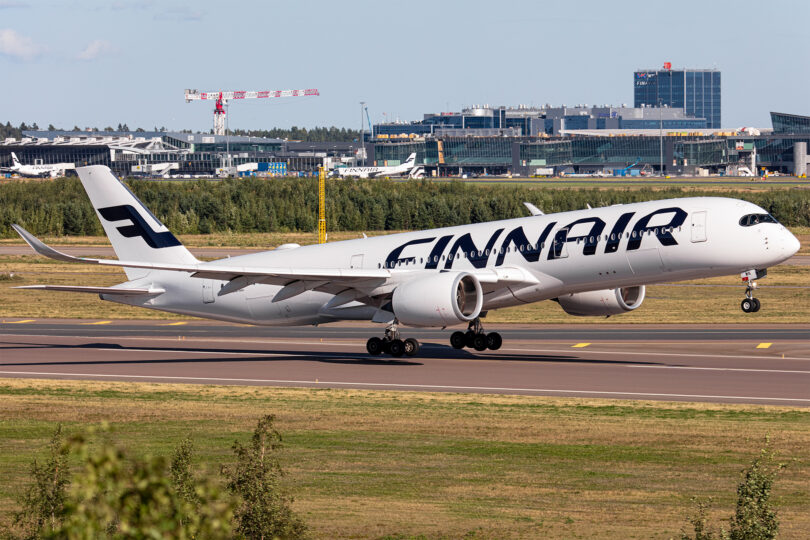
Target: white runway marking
677	354
755	370
554	391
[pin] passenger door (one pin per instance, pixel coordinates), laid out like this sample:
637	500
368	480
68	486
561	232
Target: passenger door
208	291
699	226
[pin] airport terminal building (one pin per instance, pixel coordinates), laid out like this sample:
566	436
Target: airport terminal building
583	151
444	152
160	153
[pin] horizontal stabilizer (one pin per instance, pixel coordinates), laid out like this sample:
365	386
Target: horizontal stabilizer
93	290
41	248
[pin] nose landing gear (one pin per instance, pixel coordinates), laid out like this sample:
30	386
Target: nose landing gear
392	344
749	303
476	338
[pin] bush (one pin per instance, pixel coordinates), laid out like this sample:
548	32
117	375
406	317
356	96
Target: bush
264	509
43	503
755	517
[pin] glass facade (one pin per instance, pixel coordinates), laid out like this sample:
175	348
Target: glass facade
700	153
790	123
696	91
477	150
384	153
548	154
685	123
615	150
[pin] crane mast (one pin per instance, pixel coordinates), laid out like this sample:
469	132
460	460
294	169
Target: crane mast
221	99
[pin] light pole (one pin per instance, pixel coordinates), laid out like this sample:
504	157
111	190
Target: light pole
362	133
660	137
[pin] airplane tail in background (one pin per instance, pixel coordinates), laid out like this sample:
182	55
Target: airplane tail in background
135	233
15	160
411	160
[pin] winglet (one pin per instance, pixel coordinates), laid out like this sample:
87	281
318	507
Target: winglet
533	210
43	249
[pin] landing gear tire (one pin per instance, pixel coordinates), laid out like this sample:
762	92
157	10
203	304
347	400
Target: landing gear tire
476	338
411	347
748	305
458	340
374	346
757	304
494	341
397	347
480	342
392	344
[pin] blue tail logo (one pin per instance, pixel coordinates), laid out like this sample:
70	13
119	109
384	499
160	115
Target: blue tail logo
139	227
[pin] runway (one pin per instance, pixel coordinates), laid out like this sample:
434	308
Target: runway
723	363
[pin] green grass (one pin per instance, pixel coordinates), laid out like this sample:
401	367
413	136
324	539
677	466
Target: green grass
373	464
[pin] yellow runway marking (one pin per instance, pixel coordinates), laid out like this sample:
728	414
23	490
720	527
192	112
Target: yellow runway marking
21	322
175	323
579	345
764	345
98	322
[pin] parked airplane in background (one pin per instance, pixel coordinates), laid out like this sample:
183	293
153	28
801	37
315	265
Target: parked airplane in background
372	172
595	261
37	171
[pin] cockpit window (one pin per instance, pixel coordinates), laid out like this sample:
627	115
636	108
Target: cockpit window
756	219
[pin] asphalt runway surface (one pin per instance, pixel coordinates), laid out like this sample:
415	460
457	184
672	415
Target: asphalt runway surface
720	363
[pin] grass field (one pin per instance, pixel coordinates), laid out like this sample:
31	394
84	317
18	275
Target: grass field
370	464
710	300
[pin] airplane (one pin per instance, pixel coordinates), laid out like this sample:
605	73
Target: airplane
37	171
373	172
592	262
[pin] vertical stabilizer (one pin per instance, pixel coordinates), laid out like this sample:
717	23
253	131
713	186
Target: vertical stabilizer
134	232
15	160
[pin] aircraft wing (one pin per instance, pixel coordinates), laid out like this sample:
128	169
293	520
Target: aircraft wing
294	280
215	271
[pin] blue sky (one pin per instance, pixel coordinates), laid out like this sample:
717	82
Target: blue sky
97	63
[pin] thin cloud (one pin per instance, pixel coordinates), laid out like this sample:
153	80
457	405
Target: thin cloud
12	4
95	49
179	13
139	5
19	47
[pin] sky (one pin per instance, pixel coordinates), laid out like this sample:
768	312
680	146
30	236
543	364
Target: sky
97	63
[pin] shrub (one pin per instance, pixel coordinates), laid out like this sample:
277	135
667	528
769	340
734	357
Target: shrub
264	509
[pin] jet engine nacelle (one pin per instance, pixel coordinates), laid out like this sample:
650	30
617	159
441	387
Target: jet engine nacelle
603	303
443	299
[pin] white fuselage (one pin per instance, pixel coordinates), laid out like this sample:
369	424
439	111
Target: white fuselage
568	252
40	171
371	172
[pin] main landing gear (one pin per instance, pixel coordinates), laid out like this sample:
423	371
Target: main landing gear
476	338
392	344
749	303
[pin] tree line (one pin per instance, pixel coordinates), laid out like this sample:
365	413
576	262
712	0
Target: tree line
60	207
315	134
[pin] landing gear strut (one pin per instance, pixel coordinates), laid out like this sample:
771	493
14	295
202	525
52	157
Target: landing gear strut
392	344
476	338
749	303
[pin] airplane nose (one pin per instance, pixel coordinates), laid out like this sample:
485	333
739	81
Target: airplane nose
792	244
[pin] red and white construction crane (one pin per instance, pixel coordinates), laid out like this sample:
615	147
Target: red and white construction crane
222	98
